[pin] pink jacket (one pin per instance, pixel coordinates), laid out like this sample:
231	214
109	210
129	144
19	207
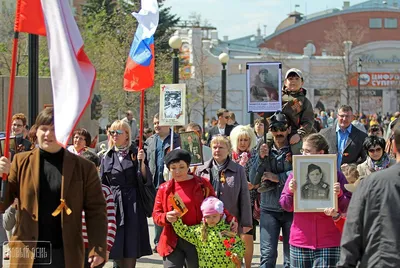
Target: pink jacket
314	230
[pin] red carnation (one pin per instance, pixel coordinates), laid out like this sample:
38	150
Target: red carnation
232	240
228	253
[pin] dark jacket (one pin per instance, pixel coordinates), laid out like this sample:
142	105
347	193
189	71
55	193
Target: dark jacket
150	147
301	118
371	235
278	162
214	131
234	192
354	151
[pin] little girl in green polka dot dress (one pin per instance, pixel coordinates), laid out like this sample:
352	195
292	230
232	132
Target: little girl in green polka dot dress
216	245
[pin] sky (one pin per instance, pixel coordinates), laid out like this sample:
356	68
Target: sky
238	18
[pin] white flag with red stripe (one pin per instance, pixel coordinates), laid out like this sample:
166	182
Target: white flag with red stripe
72	73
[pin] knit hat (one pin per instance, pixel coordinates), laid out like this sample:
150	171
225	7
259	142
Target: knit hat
312	167
212	205
176	156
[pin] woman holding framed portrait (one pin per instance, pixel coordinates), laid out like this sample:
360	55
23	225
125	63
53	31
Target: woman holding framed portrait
314	239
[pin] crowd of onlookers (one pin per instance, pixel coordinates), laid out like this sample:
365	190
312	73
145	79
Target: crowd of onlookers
205	215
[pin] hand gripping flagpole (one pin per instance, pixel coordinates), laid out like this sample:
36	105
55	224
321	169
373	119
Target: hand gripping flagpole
9	112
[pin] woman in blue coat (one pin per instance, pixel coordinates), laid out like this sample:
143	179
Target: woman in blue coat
119	171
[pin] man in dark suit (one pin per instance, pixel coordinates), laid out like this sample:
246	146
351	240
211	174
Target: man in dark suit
222	126
371	236
344	139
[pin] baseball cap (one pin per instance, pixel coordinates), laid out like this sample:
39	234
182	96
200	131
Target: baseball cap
296	71
278	118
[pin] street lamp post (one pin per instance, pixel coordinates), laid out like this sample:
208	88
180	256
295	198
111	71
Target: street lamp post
359	69
223	58
175	42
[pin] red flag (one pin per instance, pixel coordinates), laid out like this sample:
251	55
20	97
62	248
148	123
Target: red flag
29	17
72	73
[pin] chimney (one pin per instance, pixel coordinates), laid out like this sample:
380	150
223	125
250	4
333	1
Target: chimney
225	38
346	4
258	31
214	37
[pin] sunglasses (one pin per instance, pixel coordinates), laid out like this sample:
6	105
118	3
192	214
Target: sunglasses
278	128
118	132
227	117
378	150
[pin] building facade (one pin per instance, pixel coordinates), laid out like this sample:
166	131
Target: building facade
331	80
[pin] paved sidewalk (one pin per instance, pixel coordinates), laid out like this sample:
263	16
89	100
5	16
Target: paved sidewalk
155	261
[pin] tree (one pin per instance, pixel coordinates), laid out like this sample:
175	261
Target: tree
108	48
338	42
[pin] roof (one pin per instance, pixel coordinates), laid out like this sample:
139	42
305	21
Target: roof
369	6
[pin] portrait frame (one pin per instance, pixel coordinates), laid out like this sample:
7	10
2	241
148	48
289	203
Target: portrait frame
196	159
264	86
310	197
13	145
172	105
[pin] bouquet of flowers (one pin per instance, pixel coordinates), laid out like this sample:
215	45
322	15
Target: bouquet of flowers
229	244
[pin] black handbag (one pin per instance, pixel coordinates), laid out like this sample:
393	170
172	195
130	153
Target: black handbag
147	195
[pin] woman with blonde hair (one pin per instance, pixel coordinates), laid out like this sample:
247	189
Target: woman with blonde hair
121	169
230	182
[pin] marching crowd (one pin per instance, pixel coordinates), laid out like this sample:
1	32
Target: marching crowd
206	215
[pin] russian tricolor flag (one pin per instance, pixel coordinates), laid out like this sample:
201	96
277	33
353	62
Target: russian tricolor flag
139	70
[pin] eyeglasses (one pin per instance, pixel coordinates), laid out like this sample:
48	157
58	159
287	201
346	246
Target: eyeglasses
17	125
278	128
226	117
377	150
118	132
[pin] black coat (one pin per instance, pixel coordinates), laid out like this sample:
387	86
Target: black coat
371	235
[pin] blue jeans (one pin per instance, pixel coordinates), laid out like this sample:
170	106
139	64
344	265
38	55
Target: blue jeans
270	225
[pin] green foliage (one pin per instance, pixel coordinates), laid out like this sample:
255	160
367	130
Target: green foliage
108	36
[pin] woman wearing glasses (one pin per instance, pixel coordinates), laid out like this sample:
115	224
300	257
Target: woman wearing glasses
81	140
377	158
314	239
121	168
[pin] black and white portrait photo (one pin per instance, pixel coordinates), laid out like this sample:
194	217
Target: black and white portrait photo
315	176
264	86
173	108
315	186
172	104
191	143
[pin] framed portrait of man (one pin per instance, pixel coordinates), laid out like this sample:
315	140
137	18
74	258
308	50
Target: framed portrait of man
191	143
172	104
264	84
315	176
13	145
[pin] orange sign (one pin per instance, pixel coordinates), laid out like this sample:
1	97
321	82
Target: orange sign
376	80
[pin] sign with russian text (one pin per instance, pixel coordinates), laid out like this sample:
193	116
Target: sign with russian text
380	80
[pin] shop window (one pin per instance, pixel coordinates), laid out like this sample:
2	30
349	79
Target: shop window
390	23
375	23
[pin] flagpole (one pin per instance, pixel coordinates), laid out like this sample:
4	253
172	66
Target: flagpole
141	123
9	111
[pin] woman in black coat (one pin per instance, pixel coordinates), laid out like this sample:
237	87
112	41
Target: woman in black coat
119	171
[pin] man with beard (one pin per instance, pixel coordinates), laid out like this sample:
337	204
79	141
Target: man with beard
264	88
174	109
271	169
